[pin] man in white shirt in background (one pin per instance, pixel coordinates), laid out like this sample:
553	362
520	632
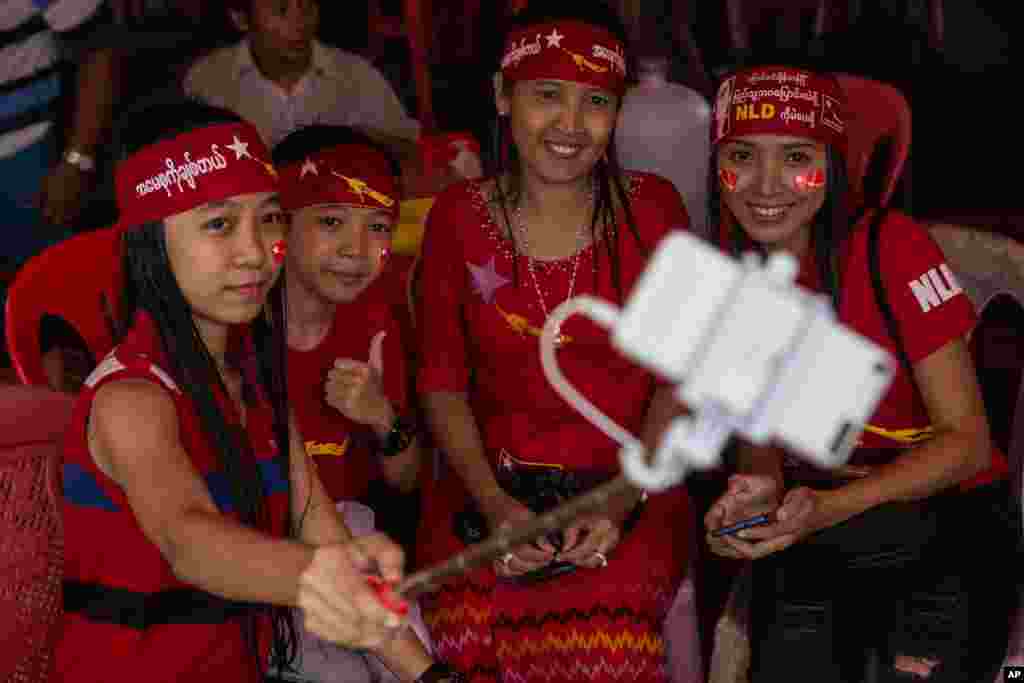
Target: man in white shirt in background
44	184
280	78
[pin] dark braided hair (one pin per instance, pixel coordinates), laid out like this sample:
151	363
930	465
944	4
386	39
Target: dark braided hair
609	190
150	285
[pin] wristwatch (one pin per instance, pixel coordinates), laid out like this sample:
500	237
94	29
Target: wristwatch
440	672
398	439
82	162
634	514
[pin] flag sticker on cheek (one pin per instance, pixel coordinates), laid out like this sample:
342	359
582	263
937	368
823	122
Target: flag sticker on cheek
809	181
278	249
728	178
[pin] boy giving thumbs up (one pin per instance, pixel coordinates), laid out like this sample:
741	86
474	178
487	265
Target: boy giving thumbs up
347	368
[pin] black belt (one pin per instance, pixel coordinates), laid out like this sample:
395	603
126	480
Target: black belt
143	610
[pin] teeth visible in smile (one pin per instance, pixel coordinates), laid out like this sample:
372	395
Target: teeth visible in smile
564	149
769	211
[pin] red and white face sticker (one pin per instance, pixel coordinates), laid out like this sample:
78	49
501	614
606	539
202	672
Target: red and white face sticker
810	180
278	249
728	178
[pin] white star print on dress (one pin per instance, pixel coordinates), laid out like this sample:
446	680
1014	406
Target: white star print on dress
308	167
486	280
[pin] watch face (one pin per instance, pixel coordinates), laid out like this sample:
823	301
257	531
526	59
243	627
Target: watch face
398	439
79	160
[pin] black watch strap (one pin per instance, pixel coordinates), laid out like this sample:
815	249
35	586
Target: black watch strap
402	433
439	672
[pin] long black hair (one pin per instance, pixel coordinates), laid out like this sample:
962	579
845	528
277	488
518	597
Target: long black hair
609	189
150	286
831	225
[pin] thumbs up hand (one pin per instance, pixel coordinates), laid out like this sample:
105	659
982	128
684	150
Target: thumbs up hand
466	162
355	389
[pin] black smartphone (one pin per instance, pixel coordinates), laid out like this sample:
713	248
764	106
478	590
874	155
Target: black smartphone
548	571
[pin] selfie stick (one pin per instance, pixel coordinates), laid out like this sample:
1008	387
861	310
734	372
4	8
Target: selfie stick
749	352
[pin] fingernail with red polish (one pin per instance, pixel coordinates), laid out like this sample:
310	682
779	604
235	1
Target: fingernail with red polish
386	594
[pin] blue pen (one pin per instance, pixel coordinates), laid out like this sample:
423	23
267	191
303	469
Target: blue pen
766	518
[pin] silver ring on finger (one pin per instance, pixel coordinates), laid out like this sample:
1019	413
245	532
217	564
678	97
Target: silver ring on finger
602	557
505	559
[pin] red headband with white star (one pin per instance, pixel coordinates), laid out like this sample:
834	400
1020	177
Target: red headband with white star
354	175
567	51
195	168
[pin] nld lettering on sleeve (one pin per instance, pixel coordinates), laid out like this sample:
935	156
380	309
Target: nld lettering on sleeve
935	287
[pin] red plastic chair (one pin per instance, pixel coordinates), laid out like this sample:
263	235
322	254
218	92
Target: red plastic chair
990	268
69	280
878	111
32	423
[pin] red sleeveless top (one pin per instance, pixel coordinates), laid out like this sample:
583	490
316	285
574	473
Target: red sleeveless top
127	617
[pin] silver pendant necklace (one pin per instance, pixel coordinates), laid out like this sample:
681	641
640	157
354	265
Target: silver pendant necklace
581	235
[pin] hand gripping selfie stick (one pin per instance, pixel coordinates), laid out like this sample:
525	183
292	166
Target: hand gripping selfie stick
749	352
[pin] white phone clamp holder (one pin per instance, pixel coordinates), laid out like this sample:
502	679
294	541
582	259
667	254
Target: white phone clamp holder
749	351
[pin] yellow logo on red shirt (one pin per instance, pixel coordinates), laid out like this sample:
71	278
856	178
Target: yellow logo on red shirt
910	435
314	448
522	326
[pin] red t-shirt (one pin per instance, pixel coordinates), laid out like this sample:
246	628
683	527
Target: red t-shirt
473	320
338	446
478	333
929	305
105	546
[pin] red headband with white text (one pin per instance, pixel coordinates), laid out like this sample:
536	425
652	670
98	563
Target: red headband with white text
781	101
195	168
354	175
568	51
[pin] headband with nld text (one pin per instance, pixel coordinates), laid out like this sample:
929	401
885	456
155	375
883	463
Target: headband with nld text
205	165
568	51
782	101
354	175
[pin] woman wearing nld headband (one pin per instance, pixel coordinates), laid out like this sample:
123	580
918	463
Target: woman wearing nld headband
557	219
863	546
193	518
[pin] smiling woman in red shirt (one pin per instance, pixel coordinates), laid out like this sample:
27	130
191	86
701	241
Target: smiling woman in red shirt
557	218
865	544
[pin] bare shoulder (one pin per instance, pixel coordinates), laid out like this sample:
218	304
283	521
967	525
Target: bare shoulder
133	398
131	419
